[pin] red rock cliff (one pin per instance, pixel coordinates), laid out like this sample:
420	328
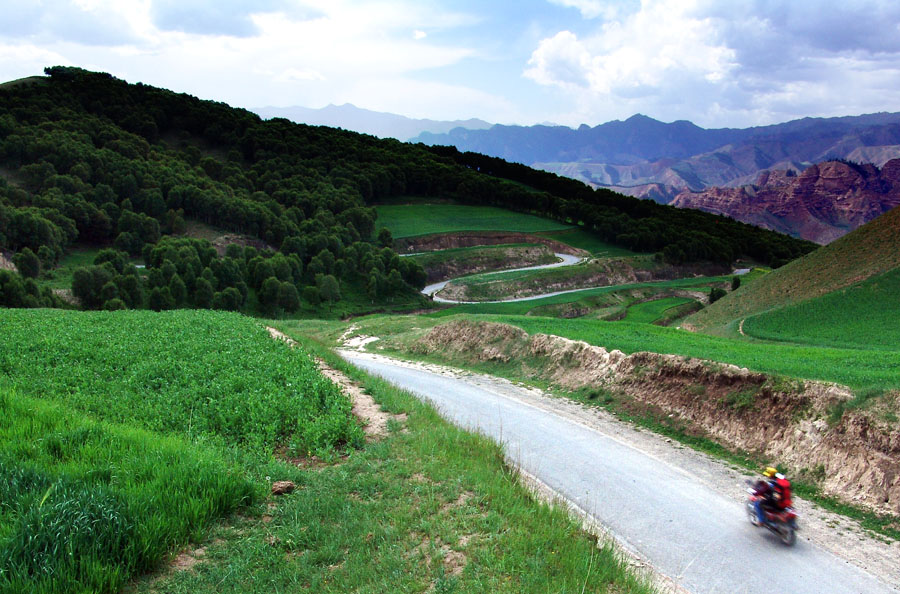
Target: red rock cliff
820	204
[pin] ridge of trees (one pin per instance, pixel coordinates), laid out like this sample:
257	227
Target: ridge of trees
87	157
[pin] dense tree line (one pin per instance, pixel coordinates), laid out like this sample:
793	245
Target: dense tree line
86	157
679	235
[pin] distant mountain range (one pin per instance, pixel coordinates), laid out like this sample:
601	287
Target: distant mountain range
376	123
754	175
651	159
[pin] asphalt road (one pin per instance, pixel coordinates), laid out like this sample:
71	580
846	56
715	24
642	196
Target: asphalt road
690	533
565	260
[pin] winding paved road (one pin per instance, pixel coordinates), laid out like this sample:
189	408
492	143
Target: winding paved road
565	260
691	533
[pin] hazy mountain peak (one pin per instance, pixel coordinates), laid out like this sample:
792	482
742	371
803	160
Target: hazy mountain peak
366	121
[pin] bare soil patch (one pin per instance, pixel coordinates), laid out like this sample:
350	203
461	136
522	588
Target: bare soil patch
6	262
446	241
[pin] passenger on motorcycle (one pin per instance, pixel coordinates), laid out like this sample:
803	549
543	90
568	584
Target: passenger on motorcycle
774	493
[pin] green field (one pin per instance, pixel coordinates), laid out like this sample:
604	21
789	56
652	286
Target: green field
589	242
124	434
860	369
84	505
424	219
653	311
861	316
219	375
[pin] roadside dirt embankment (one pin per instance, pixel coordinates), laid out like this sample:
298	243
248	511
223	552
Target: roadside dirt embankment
488	260
855	459
596	273
446	241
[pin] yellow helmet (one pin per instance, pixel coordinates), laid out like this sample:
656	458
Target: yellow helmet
770	472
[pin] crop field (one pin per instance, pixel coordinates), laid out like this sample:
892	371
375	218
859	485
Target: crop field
425	219
116	496
857	368
122	432
860	316
219	375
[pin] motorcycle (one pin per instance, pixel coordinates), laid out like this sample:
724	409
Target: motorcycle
781	522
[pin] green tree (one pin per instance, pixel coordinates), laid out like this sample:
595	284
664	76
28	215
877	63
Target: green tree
203	293
735	282
178	290
329	288
385	239
311	295
288	298
27	263
268	293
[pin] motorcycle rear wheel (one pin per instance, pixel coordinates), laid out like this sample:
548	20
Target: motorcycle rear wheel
787	535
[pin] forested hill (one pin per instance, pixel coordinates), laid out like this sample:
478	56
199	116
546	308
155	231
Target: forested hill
87	157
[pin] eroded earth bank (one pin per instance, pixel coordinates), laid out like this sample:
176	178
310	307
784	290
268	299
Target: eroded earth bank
853	456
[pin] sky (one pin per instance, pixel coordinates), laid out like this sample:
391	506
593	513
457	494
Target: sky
718	63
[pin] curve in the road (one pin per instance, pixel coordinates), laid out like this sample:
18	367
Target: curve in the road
565	260
696	536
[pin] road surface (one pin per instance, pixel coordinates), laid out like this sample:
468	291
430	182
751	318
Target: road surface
565	260
673	519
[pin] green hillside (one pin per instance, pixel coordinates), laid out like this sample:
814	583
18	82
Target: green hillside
408	220
863	315
870	250
91	160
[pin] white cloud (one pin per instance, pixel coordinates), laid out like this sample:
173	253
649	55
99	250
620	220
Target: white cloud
417	34
724	63
647	50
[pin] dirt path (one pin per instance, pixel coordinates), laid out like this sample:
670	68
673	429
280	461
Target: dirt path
741	327
373	419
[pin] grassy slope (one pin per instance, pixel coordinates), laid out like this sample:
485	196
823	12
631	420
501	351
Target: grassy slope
651	311
491	257
859	369
429	508
589	242
113	497
863	315
870	250
424	219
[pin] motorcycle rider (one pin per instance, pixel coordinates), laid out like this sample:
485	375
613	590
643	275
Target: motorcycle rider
768	494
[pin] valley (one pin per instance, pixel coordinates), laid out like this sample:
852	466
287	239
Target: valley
155	243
